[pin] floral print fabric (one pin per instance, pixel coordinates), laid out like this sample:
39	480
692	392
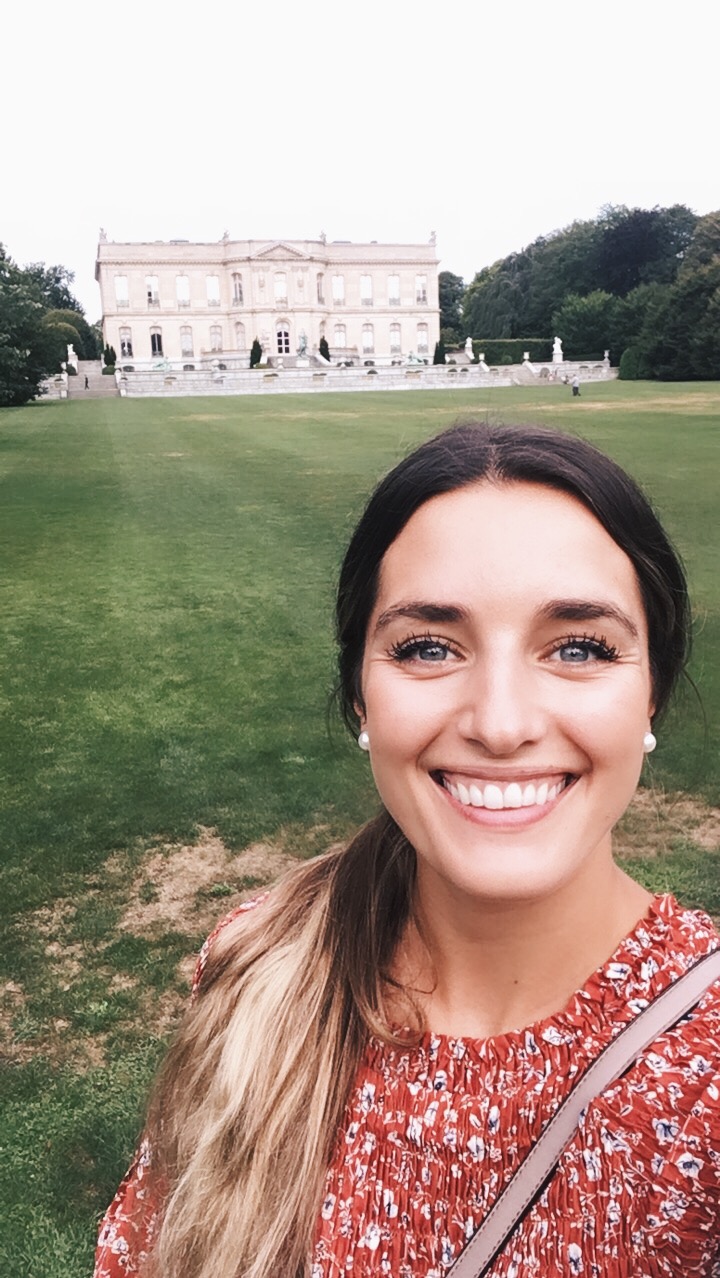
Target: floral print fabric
435	1131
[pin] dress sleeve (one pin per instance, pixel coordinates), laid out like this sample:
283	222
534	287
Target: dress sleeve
128	1226
126	1232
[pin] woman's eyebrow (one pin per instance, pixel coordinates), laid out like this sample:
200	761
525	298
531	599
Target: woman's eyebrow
419	611
587	610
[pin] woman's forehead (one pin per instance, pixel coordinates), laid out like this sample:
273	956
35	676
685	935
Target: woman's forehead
498	538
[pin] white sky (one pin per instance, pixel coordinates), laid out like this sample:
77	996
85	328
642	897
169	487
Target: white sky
489	123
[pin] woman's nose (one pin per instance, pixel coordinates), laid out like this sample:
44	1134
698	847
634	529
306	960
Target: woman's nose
501	706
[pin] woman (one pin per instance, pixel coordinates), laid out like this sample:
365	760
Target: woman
374	1047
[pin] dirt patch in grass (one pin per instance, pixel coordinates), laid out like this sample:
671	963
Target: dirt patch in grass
655	821
188	887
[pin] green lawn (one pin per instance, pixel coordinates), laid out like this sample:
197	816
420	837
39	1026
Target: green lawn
166	663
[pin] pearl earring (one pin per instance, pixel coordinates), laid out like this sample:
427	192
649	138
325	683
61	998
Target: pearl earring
649	742
364	741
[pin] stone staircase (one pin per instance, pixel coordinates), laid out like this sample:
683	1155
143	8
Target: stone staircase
98	386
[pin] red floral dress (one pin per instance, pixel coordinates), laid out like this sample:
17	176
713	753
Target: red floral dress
434	1132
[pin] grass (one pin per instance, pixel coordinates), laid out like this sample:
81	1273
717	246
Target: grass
166	663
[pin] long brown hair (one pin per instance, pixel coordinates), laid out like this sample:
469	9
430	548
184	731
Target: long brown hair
250	1101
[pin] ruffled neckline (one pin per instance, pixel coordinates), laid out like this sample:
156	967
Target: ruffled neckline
648	959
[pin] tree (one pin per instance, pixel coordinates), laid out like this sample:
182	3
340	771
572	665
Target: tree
585	324
451	290
87	345
110	356
642	246
324	349
255	353
439	354
27	349
53	283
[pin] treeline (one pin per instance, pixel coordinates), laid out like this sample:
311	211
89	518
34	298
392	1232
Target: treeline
39	318
641	283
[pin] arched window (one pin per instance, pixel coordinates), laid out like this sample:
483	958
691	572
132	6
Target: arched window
368	339
186	342
156	345
216	338
126	343
339	337
240	336
422	339
237	289
182	289
395	339
282	337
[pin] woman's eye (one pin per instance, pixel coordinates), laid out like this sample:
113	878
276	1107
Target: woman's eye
583	651
428	650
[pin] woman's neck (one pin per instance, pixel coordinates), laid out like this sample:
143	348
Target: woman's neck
477	969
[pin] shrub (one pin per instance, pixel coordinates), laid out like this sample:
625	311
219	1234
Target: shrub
439	354
255	353
109	356
633	365
510	350
324	349
109	370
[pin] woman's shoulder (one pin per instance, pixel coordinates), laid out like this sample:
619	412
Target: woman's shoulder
244	908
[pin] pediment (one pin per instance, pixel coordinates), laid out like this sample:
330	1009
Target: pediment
279	252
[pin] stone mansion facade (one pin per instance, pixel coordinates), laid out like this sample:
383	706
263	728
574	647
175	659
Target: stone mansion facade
197	305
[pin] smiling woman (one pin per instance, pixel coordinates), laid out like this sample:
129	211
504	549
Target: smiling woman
374	1049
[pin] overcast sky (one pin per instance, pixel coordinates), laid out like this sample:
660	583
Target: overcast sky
489	123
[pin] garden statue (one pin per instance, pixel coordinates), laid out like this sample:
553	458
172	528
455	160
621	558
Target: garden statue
469	349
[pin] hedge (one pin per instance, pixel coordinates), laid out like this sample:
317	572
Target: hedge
510	350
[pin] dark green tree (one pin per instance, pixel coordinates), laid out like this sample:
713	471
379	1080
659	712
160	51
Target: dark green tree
585	324
255	353
27	349
451	290
53	284
110	356
324	349
642	246
439	353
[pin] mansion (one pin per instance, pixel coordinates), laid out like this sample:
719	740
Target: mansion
194	306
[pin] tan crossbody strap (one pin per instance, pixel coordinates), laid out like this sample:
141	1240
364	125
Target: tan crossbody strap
660	1015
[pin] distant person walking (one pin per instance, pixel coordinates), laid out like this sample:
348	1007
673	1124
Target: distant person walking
87	382
576	385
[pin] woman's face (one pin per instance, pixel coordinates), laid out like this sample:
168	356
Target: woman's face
507	689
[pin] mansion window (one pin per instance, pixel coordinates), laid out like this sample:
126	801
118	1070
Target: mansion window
126	348
422	339
395	341
240	336
152	290
368	339
237	289
182	290
282	337
280	285
321	288
340	337
393	290
121	290
366	290
156	345
216	338
186	342
338	290
212	290
421	290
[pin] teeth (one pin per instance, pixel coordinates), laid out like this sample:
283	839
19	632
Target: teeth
496	797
